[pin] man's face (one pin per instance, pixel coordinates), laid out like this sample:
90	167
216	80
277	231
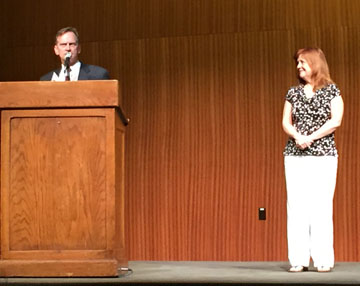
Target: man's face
67	43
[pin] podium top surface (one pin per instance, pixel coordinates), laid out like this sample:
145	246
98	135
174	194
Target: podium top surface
50	94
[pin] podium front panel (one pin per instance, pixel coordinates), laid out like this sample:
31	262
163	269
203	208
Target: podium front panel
58	187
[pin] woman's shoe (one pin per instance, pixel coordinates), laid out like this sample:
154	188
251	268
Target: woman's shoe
297	268
324	269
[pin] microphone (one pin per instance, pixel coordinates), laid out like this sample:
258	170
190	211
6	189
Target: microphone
67	60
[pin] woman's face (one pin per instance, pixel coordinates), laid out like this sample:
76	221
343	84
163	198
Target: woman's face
303	69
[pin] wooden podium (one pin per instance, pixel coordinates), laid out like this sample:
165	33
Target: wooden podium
62	179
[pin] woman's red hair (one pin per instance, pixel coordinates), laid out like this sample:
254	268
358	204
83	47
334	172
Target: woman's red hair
320	74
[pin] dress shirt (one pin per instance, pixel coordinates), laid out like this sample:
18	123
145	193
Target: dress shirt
74	73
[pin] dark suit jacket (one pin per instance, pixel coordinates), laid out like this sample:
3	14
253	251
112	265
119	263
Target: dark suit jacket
87	72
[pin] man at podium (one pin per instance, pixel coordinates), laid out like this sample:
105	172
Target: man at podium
68	48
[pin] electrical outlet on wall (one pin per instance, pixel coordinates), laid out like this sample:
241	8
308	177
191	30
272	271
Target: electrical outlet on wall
262	213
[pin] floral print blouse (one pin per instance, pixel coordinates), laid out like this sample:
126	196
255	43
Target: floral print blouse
308	115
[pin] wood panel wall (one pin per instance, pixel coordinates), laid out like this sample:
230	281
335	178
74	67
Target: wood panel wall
203	82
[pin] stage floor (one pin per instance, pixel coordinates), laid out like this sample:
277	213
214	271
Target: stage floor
213	272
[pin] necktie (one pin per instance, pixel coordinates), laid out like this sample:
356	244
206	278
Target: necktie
67	74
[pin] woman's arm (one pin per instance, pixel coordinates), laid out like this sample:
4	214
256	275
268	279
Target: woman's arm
301	141
287	120
337	111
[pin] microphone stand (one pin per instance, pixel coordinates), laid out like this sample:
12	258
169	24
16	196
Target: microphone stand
67	75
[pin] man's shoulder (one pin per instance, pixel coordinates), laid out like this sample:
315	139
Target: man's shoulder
48	76
94	72
91	67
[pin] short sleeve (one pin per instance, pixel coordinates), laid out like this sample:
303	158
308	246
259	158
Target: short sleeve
334	91
290	95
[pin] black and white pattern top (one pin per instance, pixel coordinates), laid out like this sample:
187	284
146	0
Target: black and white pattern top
308	115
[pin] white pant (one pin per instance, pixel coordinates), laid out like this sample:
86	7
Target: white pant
310	183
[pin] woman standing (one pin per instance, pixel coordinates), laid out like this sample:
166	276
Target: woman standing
312	112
